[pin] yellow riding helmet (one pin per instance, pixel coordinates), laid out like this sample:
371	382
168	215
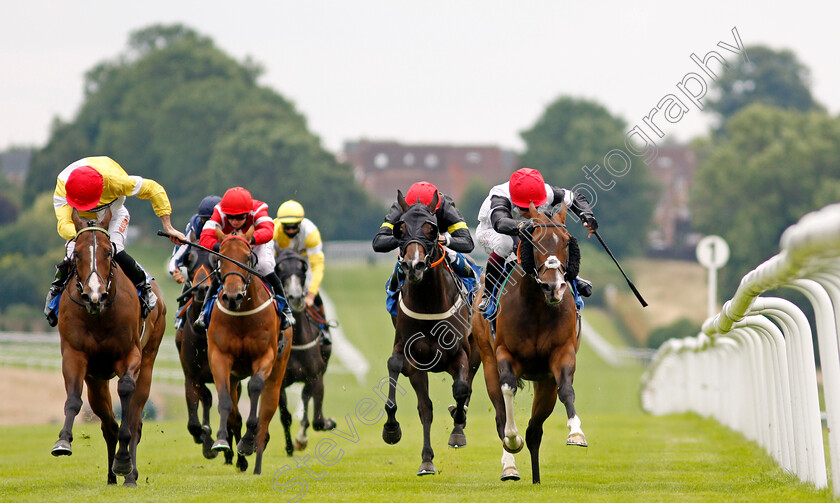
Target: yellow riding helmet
290	212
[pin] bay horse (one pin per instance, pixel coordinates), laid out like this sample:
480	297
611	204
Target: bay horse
192	350
432	329
308	360
104	336
242	341
537	340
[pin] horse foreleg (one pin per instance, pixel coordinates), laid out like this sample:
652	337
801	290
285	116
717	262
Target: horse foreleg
74	368
192	395
286	421
100	403
544	400
420	382
135	410
235	426
220	365
319	423
126	386
491	382
206	438
459	370
512	441
564	373
391	431
247	445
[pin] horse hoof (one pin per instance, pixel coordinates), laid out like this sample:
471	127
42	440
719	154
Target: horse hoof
426	468
577	439
326	425
122	465
510	473
130	483
391	436
513	449
457	440
300	444
241	463
245	447
221	446
62	448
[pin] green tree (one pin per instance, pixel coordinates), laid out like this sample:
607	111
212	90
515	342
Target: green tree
573	133
474	195
770	168
770	77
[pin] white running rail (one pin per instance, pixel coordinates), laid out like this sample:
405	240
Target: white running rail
752	366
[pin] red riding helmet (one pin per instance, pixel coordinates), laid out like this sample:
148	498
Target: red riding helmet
527	186
236	201
84	188
423	192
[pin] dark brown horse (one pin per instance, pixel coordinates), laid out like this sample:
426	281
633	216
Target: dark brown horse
103	336
432	329
308	361
242	341
192	349
536	339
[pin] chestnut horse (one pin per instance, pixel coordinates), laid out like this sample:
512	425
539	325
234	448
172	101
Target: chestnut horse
192	349
432	329
308	361
103	336
242	341
537	340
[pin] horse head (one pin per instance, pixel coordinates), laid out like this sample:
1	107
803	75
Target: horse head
235	280
417	233
94	261
199	270
291	269
550	240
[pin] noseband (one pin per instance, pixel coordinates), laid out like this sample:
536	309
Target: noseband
93	269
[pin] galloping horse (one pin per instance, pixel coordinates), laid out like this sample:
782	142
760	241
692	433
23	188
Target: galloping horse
308	361
103	336
432	329
536	339
192	349
242	341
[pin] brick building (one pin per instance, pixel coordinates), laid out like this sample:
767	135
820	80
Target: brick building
382	167
674	169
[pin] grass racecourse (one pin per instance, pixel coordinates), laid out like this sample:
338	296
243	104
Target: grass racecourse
631	456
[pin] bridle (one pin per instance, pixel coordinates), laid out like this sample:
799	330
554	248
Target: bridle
246	279
551	262
94	270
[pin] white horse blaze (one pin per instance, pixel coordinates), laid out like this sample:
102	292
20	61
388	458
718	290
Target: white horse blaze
94	284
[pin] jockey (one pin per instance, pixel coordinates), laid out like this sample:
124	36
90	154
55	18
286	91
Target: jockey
91	186
454	236
192	232
499	230
238	211
293	230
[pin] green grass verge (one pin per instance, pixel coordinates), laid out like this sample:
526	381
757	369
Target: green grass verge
631	456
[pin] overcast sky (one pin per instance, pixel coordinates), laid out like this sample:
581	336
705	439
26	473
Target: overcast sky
473	71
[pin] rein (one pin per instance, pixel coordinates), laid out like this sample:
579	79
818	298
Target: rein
247	280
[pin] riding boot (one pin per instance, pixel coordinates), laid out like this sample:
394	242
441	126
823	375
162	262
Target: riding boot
62	274
584	287
200	323
287	318
137	275
326	338
492	273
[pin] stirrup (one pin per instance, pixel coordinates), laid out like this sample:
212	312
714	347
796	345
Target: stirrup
200	323
486	300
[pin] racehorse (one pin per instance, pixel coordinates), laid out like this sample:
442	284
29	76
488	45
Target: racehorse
102	336
537	340
242	341
308	361
192	350
432	329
